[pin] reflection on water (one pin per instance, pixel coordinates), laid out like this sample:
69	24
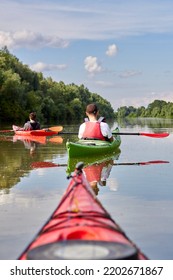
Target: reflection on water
96	168
98	173
135	187
18	154
91	160
154	124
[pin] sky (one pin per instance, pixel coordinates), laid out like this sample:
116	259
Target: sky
119	49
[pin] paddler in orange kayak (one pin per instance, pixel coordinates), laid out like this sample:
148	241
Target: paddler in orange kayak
32	124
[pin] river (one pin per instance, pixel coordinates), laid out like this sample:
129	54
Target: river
138	192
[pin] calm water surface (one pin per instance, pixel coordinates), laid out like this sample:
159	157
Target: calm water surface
138	196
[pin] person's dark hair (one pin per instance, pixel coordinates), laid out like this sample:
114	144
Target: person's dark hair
32	116
92	109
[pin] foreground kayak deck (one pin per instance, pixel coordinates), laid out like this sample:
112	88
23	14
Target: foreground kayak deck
40	132
80	228
93	147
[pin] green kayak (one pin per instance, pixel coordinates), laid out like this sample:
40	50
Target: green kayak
83	148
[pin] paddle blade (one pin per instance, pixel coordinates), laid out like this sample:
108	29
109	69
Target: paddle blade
153	162
5	131
155	135
56	128
142	162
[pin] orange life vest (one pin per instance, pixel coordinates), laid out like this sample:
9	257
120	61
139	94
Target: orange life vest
93	131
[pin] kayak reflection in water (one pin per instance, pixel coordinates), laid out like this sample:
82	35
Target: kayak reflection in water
30	145
98	173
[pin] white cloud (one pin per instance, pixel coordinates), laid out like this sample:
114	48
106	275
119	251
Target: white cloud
30	39
40	67
112	50
146	100
96	20
92	65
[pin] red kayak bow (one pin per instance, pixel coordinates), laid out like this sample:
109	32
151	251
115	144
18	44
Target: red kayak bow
80	228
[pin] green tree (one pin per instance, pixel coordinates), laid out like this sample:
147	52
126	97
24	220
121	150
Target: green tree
23	90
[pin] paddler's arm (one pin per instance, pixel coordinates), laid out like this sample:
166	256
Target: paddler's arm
106	131
81	130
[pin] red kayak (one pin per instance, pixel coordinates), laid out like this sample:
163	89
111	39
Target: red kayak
40	132
80	228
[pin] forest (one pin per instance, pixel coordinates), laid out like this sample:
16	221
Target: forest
156	109
23	91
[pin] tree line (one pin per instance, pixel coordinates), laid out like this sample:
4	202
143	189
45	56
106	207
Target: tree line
23	91
156	109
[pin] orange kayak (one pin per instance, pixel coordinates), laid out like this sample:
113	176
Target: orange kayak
40	132
81	228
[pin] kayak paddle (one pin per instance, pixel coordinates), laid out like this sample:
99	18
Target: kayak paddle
155	135
53	128
7	130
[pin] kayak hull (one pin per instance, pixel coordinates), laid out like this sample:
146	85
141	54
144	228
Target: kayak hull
41	132
80	228
85	148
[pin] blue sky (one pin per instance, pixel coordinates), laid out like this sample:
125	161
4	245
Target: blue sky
120	49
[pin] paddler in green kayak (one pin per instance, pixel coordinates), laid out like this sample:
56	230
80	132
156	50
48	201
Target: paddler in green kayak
94	128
